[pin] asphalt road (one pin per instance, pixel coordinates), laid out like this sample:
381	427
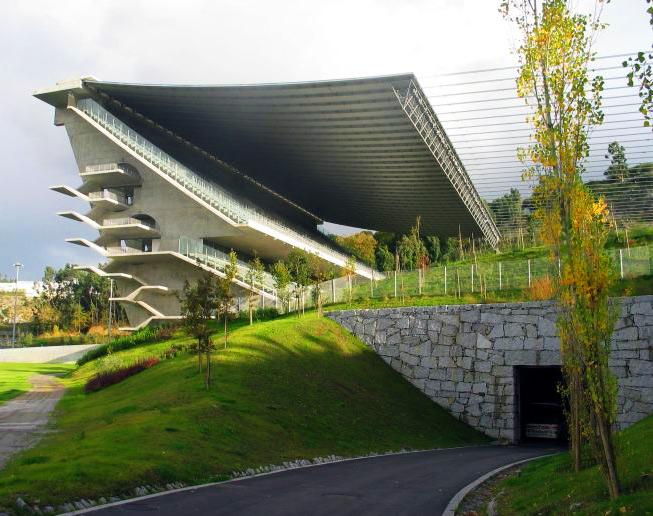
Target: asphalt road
415	483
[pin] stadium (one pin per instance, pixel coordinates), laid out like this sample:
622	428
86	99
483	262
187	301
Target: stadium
176	176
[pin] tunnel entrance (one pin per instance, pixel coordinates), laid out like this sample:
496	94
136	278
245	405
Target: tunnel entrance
540	404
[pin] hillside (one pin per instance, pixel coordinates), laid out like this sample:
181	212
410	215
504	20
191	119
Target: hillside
284	389
549	486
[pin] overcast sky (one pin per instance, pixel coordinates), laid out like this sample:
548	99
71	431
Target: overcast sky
216	42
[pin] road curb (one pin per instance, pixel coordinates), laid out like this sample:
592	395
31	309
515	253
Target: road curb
452	506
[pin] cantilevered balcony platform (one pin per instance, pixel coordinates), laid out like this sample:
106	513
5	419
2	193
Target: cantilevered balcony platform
108	200
128	227
110	174
121	228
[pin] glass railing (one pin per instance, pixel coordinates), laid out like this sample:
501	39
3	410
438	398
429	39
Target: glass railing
196	249
238	211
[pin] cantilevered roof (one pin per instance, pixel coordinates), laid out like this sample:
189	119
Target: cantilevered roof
366	152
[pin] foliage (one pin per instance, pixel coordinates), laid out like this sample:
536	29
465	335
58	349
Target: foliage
299	267
641	72
385	261
362	245
433	249
225	296
146	335
254	278
349	270
618	168
108	378
411	248
70	298
541	289
282	283
555	53
198	305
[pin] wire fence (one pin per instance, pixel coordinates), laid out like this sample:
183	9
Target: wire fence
458	279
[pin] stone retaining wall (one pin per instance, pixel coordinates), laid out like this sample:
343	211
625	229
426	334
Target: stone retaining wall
464	357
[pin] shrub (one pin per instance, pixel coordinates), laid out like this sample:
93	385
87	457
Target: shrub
265	314
541	289
144	336
108	378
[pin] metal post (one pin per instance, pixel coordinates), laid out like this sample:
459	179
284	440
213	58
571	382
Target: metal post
445	280
621	263
472	278
500	278
17	265
395	282
529	272
110	306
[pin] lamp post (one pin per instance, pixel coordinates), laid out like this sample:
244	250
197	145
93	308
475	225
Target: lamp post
17	265
110	306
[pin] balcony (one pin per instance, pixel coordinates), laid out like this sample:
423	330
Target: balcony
111	174
109	200
129	227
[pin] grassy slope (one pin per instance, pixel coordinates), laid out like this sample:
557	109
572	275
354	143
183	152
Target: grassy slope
14	377
284	389
548	486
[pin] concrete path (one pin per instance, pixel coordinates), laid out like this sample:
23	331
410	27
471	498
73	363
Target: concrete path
23	419
415	483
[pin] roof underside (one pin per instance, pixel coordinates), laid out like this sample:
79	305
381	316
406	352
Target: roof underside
344	150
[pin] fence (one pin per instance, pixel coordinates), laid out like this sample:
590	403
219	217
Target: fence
455	280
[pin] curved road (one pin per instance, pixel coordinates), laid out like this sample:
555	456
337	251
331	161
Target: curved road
414	483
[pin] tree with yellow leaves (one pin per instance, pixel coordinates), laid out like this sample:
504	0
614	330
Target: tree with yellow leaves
554	80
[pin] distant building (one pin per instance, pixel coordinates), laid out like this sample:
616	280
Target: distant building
28	288
177	175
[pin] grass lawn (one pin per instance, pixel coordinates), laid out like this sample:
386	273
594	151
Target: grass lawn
284	389
549	486
14	377
639	286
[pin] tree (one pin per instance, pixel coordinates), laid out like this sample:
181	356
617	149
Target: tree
385	261
412	251
198	304
254	278
225	294
282	283
349	270
320	271
507	213
641	71
618	168
298	265
432	244
554	60
362	245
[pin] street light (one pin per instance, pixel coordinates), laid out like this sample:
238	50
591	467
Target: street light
17	265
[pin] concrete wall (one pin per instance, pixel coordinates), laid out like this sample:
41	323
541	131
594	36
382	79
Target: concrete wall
464	357
45	354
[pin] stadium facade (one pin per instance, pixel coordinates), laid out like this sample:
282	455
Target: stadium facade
176	176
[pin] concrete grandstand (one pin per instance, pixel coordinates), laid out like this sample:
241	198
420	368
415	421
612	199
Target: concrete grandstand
176	176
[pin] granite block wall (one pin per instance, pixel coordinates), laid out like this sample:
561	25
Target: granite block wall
465	357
